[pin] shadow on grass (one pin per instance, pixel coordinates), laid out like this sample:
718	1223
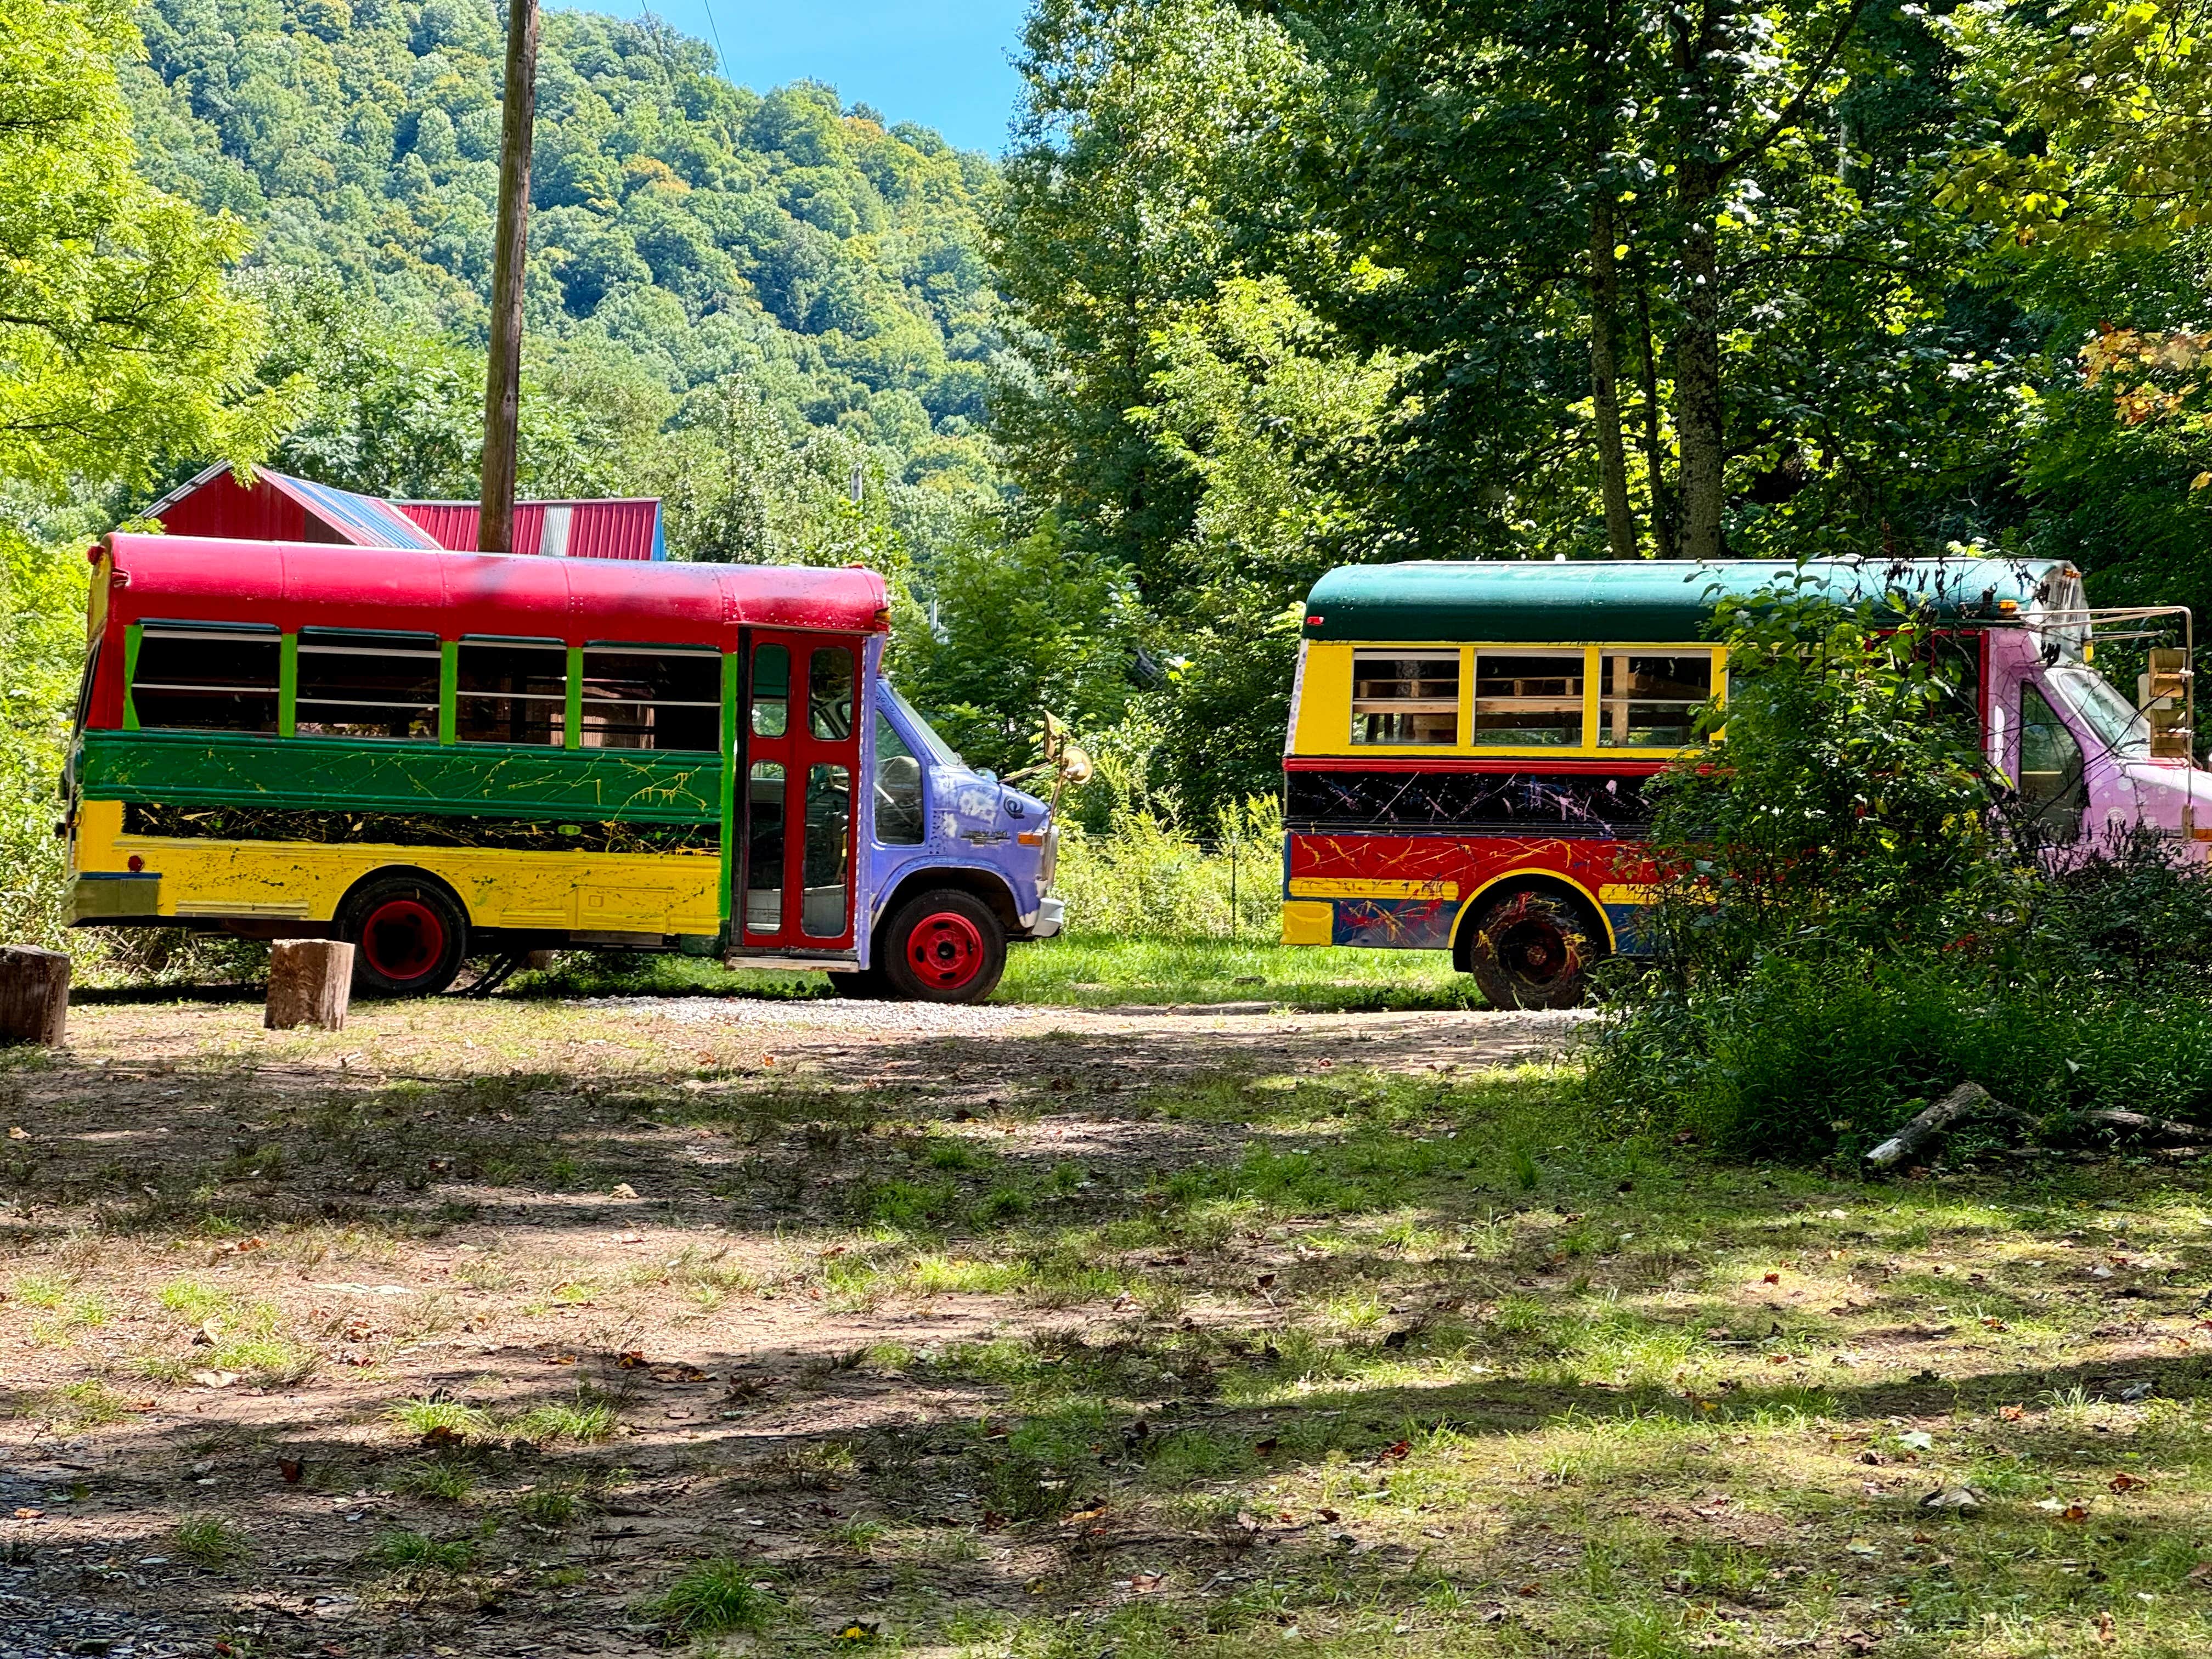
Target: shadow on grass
1131	1194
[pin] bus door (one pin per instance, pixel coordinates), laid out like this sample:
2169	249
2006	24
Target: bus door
802	752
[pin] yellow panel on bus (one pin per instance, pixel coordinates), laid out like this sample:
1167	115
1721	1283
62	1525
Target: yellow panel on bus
659	893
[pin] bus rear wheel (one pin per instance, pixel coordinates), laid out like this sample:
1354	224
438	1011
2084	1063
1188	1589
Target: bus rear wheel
943	946
1531	950
409	937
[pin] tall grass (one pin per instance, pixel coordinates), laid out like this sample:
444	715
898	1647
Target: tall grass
1145	876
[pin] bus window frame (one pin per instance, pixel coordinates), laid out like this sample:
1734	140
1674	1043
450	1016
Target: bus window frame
297	642
1322	718
715	653
567	699
174	626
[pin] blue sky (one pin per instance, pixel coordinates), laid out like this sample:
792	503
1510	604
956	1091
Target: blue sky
942	63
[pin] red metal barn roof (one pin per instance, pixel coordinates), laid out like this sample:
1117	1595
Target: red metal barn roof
627	529
278	507
576	601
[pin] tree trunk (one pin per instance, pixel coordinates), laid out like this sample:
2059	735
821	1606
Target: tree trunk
310	983
1655	448
1605	291
1698	414
1605	381
503	363
1707	97
33	995
2137	1125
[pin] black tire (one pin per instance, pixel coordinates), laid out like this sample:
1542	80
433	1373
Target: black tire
865	986
1531	949
942	946
409	936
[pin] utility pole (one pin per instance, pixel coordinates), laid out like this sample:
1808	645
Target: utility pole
503	373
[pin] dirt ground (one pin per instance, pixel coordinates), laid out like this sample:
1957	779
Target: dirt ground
482	1326
503	1207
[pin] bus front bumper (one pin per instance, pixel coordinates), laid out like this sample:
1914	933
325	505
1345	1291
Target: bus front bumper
1051	915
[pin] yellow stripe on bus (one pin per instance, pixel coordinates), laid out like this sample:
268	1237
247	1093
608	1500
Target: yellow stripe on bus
1359	887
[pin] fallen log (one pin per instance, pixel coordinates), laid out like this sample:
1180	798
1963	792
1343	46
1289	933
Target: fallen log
1967	1099
2136	1124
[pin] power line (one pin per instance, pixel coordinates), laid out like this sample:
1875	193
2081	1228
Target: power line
721	57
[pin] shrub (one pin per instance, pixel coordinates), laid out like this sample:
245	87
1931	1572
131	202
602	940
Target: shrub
1804	1058
1849	808
1850	925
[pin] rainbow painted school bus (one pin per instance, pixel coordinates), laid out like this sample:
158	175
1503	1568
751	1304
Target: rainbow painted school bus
442	754
1469	744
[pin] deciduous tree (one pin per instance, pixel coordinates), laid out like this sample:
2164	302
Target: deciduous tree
121	346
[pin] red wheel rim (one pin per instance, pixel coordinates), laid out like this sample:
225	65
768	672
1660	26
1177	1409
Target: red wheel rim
945	950
403	940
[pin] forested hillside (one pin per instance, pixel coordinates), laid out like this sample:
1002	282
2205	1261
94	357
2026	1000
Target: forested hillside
711	270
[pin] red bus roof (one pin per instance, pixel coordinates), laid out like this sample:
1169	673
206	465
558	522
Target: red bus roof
291	584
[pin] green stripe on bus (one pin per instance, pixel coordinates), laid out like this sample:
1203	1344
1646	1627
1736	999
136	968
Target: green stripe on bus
572	729
729	790
288	686
449	684
132	635
185	768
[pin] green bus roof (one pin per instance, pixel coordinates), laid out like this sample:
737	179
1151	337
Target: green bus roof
1642	601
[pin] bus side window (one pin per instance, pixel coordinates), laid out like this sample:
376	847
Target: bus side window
2051	781
1404	697
207	679
899	817
1528	698
366	685
511	691
649	697
771	690
1652	702
764	849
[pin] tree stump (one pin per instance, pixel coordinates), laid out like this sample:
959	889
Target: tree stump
310	981
33	995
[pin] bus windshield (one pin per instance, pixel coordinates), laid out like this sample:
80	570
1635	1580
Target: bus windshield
926	738
2111	717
